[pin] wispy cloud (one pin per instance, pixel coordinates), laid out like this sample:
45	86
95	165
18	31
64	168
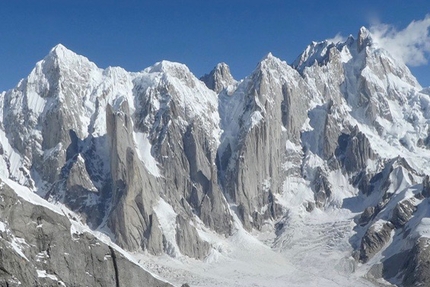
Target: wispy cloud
410	45
336	39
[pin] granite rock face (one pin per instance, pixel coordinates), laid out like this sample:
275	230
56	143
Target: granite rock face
417	265
375	238
40	247
110	145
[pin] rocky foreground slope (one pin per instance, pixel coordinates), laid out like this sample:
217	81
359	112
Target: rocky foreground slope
41	245
159	159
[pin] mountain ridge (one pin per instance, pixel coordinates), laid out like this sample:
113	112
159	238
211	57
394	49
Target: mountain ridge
165	163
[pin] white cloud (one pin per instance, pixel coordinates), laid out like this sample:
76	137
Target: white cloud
410	45
336	39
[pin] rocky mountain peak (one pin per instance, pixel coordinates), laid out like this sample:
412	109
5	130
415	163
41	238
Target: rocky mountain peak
272	63
364	38
219	78
270	58
315	52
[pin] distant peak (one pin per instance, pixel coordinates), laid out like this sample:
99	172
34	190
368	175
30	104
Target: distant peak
222	67
64	58
219	78
61	51
168	67
268	56
364	38
59	47
315	52
364	30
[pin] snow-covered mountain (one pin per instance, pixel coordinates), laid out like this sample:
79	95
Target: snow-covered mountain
310	174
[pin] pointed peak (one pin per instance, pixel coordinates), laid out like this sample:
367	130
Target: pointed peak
269	59
60	51
268	56
219	78
222	67
58	47
314	52
65	59
271	64
363	31
364	38
349	40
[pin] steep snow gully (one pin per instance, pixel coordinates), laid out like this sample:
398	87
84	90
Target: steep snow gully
309	174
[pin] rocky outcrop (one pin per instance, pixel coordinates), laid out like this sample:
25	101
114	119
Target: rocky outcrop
322	188
40	247
402	213
188	240
417	267
355	151
375	239
426	187
368	214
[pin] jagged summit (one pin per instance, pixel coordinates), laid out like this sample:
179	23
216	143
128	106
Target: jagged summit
354	54
318	52
364	38
315	52
269	61
219	78
269	57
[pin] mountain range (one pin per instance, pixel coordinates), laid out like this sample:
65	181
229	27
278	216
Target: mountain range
314	173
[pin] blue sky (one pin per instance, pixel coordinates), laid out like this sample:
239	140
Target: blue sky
136	34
